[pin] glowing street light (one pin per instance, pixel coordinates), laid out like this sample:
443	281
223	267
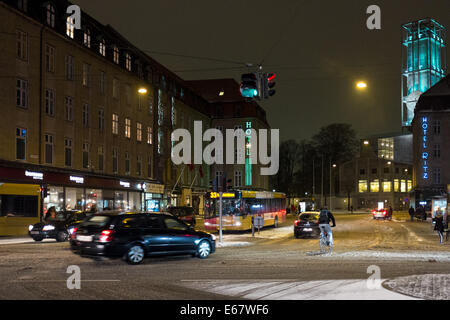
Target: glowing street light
142	90
361	85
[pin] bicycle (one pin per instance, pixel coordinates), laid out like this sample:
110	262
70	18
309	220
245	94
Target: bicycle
324	242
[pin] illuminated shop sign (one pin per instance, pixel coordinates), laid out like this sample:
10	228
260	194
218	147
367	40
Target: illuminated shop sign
425	146
215	195
125	184
76	179
35	175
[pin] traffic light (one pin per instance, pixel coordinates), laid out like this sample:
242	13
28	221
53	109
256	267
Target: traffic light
269	84
44	191
249	85
226	183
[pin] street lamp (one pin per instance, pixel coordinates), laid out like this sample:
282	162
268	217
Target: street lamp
331	166
361	85
142	90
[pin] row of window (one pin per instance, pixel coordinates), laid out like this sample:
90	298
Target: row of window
385	170
237	178
399	185
21	143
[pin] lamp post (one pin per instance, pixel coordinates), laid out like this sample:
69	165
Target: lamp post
334	166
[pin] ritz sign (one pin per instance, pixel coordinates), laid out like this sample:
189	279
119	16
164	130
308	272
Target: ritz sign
424	146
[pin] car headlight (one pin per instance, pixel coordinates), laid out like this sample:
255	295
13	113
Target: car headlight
30	227
213	237
48	228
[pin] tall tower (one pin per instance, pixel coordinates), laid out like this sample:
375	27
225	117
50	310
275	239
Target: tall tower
423	62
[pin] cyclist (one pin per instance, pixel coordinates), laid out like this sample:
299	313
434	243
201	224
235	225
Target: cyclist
325	217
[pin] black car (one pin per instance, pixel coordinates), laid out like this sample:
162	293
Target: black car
307	225
185	214
134	236
59	228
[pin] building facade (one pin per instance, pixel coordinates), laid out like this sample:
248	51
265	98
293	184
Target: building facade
432	144
87	115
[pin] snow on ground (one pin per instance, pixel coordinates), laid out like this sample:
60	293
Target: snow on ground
418	256
278	289
426	286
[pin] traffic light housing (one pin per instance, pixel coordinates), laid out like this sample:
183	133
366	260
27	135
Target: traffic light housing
249	85
44	191
269	84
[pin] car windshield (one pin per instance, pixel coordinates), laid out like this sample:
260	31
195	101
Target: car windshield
309	217
96	221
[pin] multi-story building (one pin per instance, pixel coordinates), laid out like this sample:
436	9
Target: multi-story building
366	182
86	114
431	133
394	147
229	110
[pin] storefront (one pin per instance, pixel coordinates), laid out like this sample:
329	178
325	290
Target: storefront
82	192
153	197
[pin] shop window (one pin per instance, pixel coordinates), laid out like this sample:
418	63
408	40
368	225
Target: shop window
55	198
396	185
402	185
409	185
75	199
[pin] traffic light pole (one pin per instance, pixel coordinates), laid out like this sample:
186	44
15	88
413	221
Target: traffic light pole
220	216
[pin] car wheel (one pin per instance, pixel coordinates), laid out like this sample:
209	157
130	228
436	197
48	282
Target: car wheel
135	254
38	239
275	224
203	249
62	236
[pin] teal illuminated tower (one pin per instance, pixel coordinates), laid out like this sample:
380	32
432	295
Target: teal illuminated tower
424	62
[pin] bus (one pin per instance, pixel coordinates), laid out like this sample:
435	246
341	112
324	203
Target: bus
19	208
240	206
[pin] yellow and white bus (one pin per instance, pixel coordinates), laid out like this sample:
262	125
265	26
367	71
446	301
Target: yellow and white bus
240	206
19	207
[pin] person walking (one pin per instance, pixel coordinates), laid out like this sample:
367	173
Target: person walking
390	211
411	213
439	226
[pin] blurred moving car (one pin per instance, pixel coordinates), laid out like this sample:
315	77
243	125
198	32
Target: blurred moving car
58	228
307	225
185	214
381	214
135	236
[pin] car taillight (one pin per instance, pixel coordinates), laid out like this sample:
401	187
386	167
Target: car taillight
374	211
73	233
384	212
296	222
106	235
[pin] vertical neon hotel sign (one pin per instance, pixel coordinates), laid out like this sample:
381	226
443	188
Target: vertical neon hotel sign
424	145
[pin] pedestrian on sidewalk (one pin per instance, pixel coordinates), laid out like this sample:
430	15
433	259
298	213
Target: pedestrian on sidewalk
351	209
439	226
411	213
390	211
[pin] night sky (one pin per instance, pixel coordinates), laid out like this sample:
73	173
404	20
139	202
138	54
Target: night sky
318	49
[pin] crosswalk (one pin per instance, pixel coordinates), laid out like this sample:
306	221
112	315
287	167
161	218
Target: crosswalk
273	289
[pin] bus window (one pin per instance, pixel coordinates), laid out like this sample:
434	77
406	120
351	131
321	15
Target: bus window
18	206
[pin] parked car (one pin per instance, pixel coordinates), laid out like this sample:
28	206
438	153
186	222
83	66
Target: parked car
381	214
307	225
135	236
59	228
185	214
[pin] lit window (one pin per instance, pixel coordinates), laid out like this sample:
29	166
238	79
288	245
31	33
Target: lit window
116	55
396	185
149	135
362	186
70	27
387	186
403	186
127	127
115	123
128	61
375	186
138	131
409	185
102	47
87	38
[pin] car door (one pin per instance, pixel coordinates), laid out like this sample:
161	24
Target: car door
155	236
129	229
180	237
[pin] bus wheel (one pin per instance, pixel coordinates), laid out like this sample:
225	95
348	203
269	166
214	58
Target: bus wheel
275	224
